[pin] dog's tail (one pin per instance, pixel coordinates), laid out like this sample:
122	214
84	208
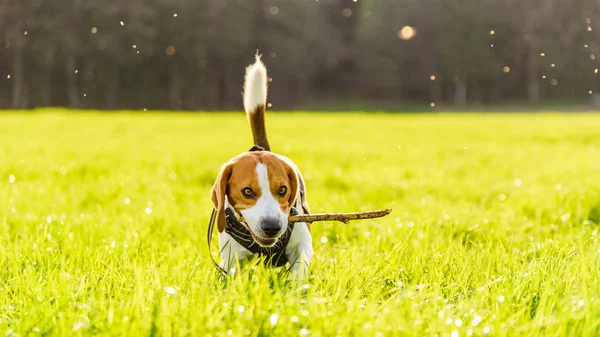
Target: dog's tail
255	101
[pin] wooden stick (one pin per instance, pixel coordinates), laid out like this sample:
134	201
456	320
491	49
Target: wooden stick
342	217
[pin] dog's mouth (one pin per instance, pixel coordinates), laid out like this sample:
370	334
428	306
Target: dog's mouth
263	242
270	242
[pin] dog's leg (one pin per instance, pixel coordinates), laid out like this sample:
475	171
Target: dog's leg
231	252
299	251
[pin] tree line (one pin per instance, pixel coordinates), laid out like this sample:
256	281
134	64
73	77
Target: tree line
191	54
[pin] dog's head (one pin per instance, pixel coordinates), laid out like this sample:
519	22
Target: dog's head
262	188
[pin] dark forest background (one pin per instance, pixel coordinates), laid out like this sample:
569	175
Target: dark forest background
191	54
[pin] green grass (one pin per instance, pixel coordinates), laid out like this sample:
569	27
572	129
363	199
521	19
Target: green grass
494	229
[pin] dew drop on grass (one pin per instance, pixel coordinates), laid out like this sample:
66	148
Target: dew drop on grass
580	303
501	298
324	239
476	320
486	330
148	210
273	319
126	201
458	322
172	175
229	332
294	319
449	320
11	179
240	309
454	333
304	332
518	182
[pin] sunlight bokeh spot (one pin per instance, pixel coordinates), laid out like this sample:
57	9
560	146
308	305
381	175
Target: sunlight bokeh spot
347	12
407	33
476	320
171	290
170	50
273	319
274	10
94	30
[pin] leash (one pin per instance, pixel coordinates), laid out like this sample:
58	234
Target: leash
211	227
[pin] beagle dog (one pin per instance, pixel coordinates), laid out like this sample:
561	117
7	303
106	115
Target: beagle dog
256	191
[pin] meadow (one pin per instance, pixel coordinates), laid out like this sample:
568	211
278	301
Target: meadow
494	229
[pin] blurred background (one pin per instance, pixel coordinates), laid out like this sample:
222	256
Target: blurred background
320	54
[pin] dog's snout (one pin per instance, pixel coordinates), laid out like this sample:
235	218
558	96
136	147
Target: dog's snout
271	227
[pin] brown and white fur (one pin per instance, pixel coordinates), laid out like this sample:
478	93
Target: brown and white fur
261	187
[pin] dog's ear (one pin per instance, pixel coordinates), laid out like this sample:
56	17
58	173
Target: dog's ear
218	193
293	177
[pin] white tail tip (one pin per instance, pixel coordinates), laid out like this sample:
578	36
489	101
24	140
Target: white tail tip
255	86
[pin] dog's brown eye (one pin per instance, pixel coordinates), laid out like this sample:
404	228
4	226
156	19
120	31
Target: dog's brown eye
282	191
247	192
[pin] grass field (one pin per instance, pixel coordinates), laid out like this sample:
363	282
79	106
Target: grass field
494	230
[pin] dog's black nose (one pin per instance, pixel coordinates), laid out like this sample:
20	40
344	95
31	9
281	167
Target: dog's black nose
271	226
